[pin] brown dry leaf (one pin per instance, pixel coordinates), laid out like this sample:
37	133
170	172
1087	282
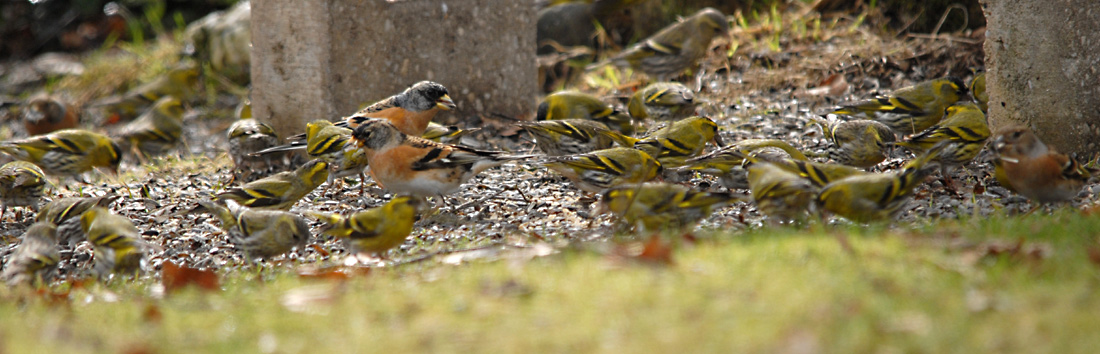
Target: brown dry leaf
656	251
152	314
60	298
175	277
337	273
319	250
1094	255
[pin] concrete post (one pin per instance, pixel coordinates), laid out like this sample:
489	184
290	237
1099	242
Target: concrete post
1043	63
322	59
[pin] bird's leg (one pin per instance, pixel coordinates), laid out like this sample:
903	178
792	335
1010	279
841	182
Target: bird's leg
362	183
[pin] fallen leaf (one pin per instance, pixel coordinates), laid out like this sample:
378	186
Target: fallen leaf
152	314
311	298
1094	255
656	251
340	273
176	277
320	250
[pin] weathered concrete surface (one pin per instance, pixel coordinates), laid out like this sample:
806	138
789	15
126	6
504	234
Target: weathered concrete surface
1043	63
325	58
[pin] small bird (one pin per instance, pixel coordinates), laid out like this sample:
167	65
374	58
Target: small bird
819	174
779	193
964	127
876	196
247	137
47	113
410	111
912	109
579	105
446	134
258	233
155	131
329	143
656	206
21	184
573	136
374	230
602	169
413	165
35	259
67	152
117	243
180	82
679	141
281	190
662	101
1025	165
726	162
66	213
675	48
573	23
860	143
977	91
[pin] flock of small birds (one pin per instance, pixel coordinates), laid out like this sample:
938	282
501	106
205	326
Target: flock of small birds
647	179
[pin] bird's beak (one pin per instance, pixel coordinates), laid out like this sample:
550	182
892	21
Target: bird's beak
445	103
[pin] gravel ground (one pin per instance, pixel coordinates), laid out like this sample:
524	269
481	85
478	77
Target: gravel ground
523	205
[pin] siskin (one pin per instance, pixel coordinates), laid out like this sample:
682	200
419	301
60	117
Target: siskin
662	101
259	233
602	169
35	260
117	243
21	184
66	153
912	109
374	230
281	190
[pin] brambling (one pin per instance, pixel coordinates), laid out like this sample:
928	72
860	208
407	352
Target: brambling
413	165
1025	165
410	111
47	113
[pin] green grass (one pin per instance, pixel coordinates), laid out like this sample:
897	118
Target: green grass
953	286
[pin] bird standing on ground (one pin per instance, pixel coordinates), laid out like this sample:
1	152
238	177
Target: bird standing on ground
1025	165
66	153
602	169
573	136
965	129
117	243
281	190
258	233
35	259
727	162
877	196
156	131
21	184
374	230
859	143
66	213
911	109
579	105
417	166
662	101
180	82
47	113
656	206
410	111
678	46
247	137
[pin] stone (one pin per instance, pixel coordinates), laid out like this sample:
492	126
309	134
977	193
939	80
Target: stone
324	59
1042	59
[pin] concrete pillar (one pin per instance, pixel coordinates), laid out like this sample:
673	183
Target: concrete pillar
1043	63
317	59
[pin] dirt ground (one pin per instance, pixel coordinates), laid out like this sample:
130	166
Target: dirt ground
753	92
